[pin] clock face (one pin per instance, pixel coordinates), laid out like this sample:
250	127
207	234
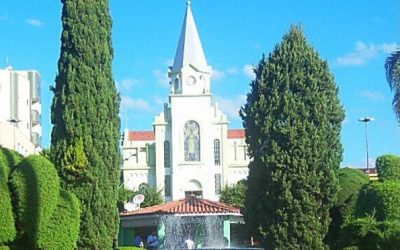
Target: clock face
190	80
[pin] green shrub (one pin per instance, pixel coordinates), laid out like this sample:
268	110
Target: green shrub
381	199
130	248
8	159
351	181
36	187
63	230
4	248
388	167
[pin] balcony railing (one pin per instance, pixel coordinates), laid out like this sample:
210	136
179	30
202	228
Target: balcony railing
35	117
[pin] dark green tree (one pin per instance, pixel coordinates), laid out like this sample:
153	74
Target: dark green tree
234	195
84	114
293	121
392	67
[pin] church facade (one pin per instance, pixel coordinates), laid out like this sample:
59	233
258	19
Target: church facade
190	150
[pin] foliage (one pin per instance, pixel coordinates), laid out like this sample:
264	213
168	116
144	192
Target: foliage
63	230
292	120
85	135
130	248
152	196
8	231
124	195
37	188
367	233
380	198
234	195
351	181
392	67
388	167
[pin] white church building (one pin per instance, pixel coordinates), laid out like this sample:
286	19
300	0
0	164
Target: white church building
190	150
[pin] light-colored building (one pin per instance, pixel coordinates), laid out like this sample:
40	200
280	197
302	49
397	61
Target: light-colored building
20	110
190	150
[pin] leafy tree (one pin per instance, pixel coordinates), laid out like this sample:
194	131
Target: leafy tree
292	120
84	114
388	167
392	67
151	195
234	195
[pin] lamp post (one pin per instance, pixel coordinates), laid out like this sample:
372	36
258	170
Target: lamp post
14	122
366	120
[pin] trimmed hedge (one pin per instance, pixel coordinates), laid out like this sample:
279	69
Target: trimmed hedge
8	232
36	186
381	199
388	167
63	230
130	248
351	181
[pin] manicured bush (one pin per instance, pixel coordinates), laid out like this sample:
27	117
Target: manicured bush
8	232
388	167
63	229
130	248
381	199
36	187
351	181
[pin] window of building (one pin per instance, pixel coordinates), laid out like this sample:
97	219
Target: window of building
217	184
217	153
192	141
168	185
167	159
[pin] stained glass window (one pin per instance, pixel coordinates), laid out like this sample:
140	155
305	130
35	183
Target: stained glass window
192	141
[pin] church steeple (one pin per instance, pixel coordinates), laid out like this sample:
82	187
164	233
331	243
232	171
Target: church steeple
190	74
189	50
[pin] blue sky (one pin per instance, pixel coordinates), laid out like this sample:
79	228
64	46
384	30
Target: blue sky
354	36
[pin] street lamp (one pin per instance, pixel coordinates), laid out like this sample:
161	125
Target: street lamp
366	120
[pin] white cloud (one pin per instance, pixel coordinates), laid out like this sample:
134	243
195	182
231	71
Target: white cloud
128	83
231	106
217	74
248	70
364	53
34	22
161	77
128	102
374	96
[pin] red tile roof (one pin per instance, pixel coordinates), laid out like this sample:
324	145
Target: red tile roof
141	136
236	133
190	205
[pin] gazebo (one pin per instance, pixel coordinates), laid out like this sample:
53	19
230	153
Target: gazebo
208	223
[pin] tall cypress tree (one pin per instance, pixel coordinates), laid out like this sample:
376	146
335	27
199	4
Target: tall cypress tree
292	120
84	140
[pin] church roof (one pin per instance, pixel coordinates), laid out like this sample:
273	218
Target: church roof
189	205
189	50
236	134
141	136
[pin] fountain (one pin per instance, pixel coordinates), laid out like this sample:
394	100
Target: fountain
207	223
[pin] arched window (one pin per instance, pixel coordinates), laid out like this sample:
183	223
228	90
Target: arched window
167	159
192	141
217	153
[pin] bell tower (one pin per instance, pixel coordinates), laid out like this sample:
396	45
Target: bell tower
190	74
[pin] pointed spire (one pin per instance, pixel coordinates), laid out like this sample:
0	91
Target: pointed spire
189	50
